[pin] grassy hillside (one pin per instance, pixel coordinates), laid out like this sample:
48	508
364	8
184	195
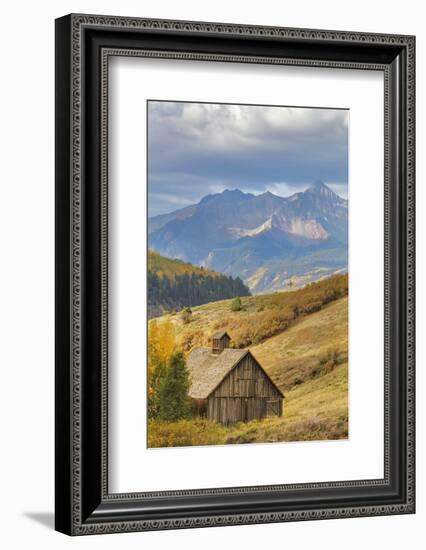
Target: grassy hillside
260	318
317	410
308	361
305	351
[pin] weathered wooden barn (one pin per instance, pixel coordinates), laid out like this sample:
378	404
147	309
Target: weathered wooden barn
229	385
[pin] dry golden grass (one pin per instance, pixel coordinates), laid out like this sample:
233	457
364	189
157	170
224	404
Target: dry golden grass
261	316
309	362
317	410
297	354
185	433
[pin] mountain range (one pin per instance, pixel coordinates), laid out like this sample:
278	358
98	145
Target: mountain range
270	242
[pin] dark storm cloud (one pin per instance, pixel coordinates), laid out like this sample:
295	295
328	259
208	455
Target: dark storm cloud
195	149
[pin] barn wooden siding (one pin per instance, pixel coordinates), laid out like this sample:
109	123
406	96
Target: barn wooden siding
220	343
246	393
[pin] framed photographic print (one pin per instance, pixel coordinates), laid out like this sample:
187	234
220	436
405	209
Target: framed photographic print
234	274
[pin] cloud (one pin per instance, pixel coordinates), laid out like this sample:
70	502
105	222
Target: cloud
195	148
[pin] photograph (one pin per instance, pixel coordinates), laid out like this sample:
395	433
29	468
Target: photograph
247	273
235	285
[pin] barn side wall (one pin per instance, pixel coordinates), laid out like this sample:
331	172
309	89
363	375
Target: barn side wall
228	410
243	395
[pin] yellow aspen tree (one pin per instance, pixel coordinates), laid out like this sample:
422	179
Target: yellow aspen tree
161	346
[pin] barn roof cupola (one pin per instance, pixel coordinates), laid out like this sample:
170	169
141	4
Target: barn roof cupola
220	341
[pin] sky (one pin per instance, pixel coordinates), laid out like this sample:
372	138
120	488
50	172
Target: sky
196	149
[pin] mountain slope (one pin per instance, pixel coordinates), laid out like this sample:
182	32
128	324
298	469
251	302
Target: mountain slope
293	356
175	284
308	361
260	317
267	240
170	267
158	222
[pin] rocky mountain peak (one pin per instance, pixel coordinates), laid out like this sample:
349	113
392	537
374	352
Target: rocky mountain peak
319	188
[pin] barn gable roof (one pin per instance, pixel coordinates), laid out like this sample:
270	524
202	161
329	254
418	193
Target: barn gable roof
207	370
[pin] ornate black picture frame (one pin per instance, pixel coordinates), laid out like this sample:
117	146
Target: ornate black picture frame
83	45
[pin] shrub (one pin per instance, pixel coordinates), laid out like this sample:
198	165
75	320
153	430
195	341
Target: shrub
192	340
247	437
315	372
257	339
329	360
236	304
187	315
197	431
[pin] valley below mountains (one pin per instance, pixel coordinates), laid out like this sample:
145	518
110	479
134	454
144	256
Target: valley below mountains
270	242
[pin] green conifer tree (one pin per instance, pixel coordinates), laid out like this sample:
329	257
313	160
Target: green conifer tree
173	401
